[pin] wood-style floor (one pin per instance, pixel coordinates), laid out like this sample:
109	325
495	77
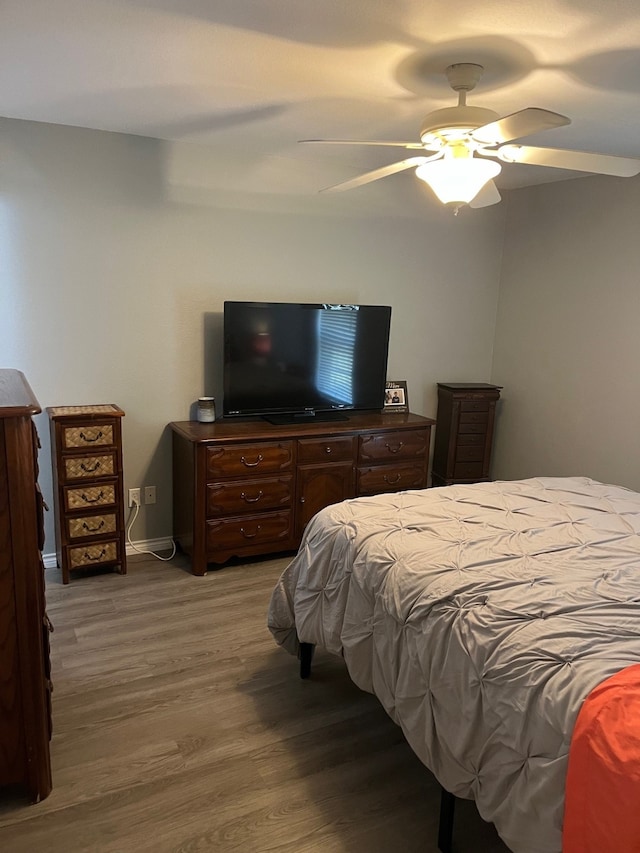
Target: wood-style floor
180	727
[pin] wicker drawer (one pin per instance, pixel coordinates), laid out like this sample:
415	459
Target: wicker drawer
89	467
330	449
87	435
399	444
234	460
90	496
390	478
230	534
235	497
83	526
101	553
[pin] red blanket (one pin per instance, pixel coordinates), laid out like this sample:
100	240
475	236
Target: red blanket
602	798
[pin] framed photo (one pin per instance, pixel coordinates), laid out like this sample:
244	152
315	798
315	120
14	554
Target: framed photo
396	398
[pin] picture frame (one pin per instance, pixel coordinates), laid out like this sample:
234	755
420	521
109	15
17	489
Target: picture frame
396	396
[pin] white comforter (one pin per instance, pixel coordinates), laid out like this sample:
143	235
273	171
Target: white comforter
481	616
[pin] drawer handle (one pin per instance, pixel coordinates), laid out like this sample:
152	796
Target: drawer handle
250	535
390	482
97	559
327	450
245	497
88	439
92	529
92	500
252	464
90	470
395	449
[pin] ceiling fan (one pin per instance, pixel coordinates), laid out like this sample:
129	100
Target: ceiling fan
459	144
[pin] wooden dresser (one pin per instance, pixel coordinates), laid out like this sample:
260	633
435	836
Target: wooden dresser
248	488
464	432
25	686
86	452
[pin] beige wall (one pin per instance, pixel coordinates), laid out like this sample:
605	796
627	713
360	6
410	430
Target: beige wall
567	346
117	257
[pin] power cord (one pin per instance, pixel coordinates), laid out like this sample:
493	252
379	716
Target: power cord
136	509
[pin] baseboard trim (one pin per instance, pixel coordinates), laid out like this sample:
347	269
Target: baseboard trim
141	546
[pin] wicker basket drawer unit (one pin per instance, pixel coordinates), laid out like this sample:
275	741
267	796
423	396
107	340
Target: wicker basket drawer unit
86	450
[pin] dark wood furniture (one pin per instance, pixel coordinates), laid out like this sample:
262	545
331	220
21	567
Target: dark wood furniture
464	432
248	488
86	452
25	686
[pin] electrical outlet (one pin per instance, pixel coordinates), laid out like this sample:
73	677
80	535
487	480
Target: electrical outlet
134	497
149	494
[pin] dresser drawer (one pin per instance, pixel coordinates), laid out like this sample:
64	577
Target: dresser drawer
476	428
467	438
330	449
387	446
470	453
83	526
474	417
390	478
231	534
89	467
232	498
233	460
474	406
87	435
93	555
467	470
90	496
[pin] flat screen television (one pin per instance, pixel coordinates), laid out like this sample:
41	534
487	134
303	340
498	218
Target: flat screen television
292	361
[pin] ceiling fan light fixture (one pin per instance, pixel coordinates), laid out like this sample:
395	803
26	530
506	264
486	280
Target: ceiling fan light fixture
457	180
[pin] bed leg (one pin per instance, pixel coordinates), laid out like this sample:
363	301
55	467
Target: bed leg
306	656
445	826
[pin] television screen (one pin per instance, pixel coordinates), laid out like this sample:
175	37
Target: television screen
301	360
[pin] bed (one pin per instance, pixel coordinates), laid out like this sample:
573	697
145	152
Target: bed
481	616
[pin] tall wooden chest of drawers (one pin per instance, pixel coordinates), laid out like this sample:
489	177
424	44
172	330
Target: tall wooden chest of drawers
464	432
86	451
249	488
25	685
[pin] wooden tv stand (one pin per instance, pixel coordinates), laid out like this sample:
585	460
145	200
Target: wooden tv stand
244	488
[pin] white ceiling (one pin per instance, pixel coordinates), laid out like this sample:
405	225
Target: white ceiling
252	77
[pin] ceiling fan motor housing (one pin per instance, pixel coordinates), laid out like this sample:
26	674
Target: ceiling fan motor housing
454	122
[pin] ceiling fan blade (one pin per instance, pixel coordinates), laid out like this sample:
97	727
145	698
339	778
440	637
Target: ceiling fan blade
415	145
580	161
487	196
515	126
367	177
